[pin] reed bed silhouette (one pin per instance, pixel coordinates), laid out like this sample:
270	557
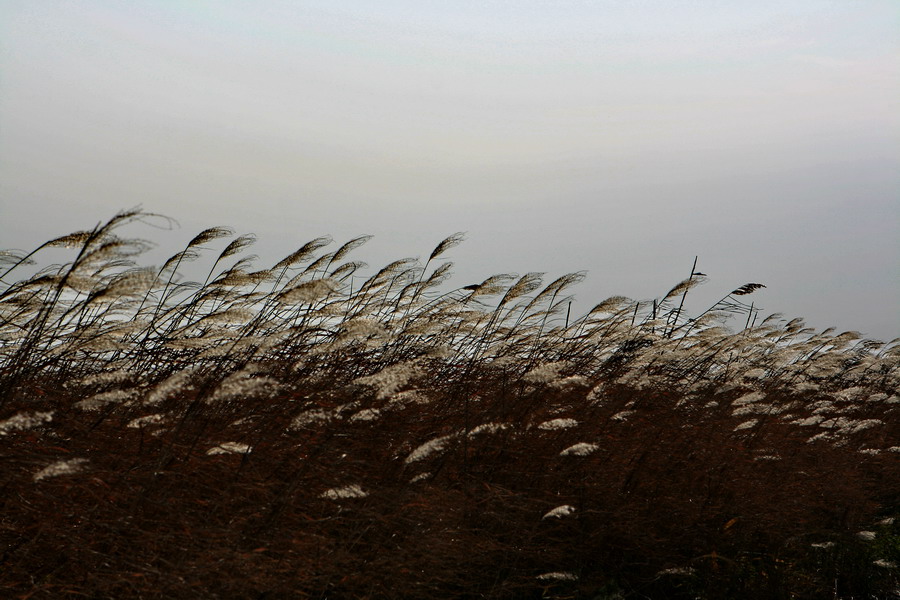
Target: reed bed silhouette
307	431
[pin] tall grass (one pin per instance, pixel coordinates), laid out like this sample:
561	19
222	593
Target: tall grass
307	430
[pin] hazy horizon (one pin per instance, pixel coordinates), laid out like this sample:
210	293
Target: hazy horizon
619	139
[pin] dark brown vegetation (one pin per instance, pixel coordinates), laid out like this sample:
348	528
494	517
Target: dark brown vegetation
298	432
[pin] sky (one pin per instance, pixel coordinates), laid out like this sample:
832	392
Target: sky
618	138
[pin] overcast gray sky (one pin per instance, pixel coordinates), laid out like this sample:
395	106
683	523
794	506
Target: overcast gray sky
621	138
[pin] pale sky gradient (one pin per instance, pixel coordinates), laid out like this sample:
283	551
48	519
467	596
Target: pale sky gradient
621	138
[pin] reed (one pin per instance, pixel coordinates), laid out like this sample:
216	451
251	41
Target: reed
301	431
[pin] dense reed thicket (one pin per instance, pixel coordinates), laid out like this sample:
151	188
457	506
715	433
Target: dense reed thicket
303	431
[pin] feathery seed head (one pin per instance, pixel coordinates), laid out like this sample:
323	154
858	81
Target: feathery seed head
208	235
429	448
368	414
71	240
309	417
24	421
392	378
747	288
237	245
348	247
560	511
684	286
611	305
347	269
346	492
488	428
558	576
546	373
489	287
525	285
144	421
308	291
557	424
677	571
580	449
244	384
98	401
448	243
180	380
62	467
229	448
622	415
303	253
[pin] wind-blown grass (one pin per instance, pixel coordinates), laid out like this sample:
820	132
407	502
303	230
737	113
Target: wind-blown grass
306	430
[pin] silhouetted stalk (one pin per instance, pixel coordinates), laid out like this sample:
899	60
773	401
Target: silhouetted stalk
683	296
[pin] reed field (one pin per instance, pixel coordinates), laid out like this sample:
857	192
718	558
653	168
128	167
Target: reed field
318	429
